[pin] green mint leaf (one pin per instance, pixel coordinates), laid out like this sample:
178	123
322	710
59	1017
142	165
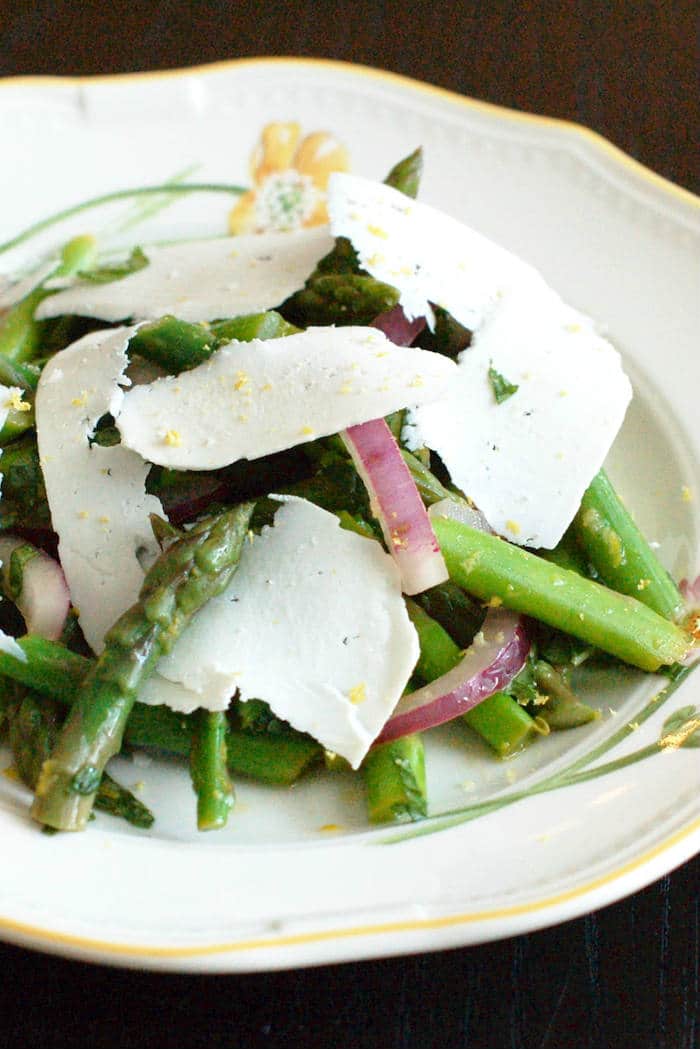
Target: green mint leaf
502	389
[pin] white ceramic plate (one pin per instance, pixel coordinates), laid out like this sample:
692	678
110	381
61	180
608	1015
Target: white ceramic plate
297	878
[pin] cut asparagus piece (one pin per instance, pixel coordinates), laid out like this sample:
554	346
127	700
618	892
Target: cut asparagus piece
619	552
210	777
406	175
178	346
394	775
34	729
340	298
490	567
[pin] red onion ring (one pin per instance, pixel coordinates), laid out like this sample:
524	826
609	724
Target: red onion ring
496	655
394	498
397	505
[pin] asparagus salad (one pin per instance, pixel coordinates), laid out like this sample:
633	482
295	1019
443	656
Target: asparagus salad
281	501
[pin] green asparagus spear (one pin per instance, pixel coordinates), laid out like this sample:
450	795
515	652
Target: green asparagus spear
210	777
183	579
117	801
342	258
177	346
159	729
620	553
339	298
105	434
419	456
499	720
406	175
249	326
270	748
489	567
173	344
394	776
34	729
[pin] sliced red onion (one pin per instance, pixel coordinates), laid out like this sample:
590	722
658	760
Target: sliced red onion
44	599
394	498
397	327
397	505
496	655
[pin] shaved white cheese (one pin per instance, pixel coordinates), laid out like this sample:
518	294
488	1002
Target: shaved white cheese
428	256
12	292
314	623
202	280
97	497
527	461
158	691
254	398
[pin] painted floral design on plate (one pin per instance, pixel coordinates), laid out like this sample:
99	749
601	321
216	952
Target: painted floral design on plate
290	174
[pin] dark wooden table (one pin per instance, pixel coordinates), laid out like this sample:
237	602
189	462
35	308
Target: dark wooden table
626	976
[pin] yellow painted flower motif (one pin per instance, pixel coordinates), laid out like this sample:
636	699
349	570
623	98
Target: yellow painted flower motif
290	175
